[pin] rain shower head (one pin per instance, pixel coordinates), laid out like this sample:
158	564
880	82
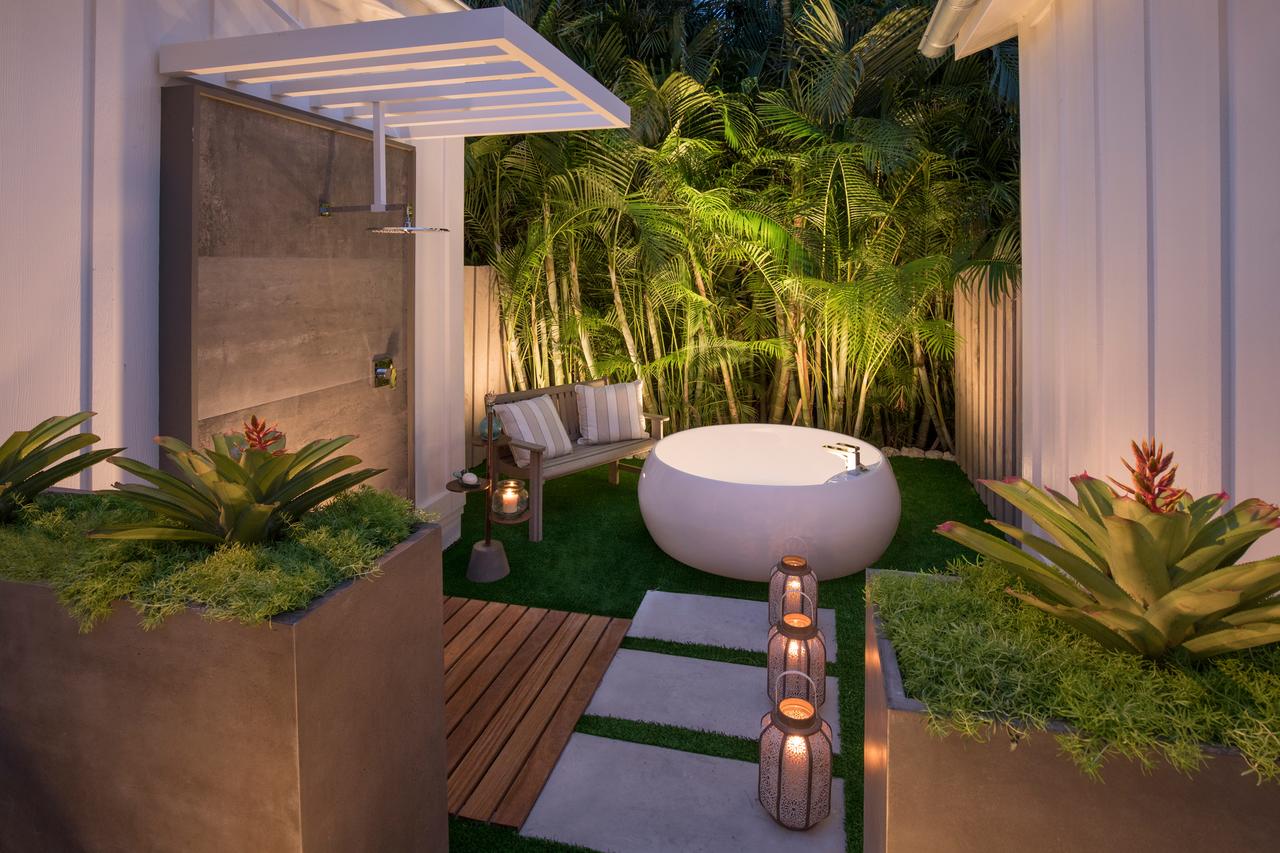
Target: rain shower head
408	228
379	189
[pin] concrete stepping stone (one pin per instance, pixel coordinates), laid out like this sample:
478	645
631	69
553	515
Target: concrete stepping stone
732	623
728	698
631	798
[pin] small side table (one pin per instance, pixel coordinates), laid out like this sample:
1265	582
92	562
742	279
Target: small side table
488	559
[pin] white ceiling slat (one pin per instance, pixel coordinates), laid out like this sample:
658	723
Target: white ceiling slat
487	114
437	75
354	83
435	93
375	64
585	121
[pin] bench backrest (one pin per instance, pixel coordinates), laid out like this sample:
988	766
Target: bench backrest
564	398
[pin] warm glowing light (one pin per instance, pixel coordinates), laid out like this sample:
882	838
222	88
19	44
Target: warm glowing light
795	709
797	748
797	620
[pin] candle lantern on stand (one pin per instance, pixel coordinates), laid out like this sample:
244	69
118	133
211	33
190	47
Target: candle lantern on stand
510	500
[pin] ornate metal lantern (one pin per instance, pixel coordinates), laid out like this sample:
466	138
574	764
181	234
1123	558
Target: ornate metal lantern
797	660
510	499
791	579
795	763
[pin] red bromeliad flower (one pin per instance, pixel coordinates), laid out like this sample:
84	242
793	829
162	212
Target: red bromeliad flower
1153	474
261	436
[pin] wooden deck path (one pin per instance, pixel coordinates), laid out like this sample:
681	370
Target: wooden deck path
516	681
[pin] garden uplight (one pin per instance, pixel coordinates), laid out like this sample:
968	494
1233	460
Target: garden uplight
797	660
789	585
795	762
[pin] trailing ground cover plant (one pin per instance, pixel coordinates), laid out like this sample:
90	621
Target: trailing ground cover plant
28	457
1145	572
336	542
986	666
245	489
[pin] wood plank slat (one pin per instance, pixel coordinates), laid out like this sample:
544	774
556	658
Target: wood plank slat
461	641
484	646
537	767
464	688
460	619
502	771
475	704
451	605
471	767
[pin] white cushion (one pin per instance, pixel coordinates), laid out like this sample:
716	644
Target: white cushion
536	421
609	413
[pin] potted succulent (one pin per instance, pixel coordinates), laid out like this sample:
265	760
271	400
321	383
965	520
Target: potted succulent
206	669
1124	652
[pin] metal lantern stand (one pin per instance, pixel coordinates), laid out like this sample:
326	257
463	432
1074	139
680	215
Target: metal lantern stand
488	558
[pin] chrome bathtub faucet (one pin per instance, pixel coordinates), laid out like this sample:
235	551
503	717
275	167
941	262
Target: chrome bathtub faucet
851	454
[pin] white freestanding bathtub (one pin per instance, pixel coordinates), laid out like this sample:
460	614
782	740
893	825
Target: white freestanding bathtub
733	499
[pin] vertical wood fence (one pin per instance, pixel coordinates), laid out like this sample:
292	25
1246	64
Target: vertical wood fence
482	361
987	376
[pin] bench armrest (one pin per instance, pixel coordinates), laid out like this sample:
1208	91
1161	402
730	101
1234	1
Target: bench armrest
656	423
526	445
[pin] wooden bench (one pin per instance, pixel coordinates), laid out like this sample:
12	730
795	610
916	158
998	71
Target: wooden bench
584	456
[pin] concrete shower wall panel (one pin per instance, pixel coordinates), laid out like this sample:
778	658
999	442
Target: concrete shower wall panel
289	307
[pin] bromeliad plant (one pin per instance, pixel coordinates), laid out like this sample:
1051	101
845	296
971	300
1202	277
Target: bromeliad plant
1146	571
27	457
245	489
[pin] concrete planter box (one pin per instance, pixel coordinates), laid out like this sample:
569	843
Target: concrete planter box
926	793
322	731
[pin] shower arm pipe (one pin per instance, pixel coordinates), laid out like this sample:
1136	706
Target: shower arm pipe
379	159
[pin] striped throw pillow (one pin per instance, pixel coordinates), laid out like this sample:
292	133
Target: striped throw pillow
609	413
536	421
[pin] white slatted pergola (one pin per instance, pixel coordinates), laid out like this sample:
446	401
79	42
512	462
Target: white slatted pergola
478	72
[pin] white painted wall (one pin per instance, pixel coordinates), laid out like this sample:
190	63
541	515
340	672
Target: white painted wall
79	218
1151	224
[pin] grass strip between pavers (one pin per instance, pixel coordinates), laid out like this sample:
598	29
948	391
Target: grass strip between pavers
719	654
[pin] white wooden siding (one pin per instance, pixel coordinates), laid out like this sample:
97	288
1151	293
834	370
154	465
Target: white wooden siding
1151	215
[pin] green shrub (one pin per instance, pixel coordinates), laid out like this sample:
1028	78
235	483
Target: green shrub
246	489
27	459
1145	574
983	664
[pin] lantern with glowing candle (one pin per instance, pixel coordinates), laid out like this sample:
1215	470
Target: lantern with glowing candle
510	499
797	660
795	762
792	579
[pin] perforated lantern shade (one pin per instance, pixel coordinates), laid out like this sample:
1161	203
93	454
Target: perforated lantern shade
791	580
797	660
795	764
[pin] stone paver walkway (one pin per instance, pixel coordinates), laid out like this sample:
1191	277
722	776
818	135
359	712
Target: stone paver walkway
728	698
708	620
631	798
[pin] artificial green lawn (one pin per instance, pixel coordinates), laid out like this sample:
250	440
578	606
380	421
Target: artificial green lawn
597	557
340	541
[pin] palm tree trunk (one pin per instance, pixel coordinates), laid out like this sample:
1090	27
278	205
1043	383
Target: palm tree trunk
553	296
535	341
624	325
655	340
575	305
